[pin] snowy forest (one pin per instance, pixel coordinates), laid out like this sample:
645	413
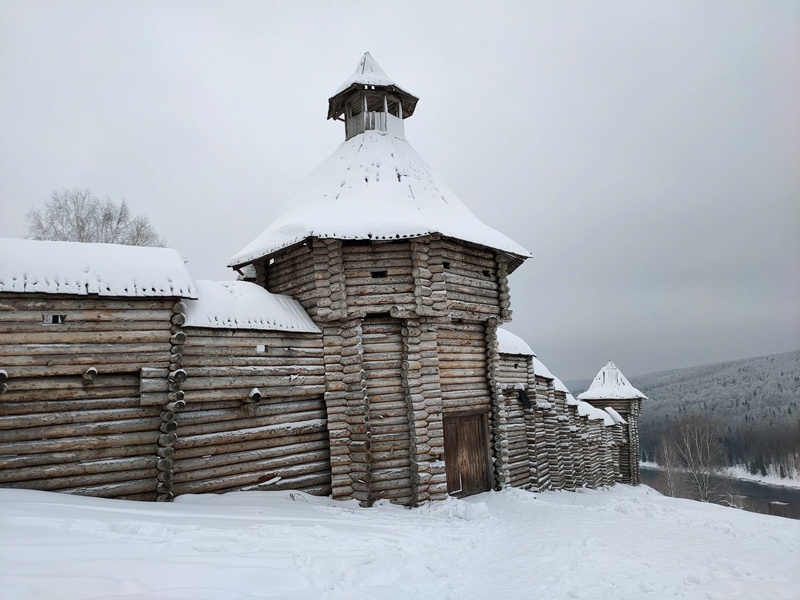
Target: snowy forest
754	405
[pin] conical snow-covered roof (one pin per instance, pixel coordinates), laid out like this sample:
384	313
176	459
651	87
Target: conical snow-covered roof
610	383
368	72
375	186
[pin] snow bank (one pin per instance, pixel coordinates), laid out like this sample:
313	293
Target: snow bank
28	266
244	305
624	543
509	343
375	186
610	383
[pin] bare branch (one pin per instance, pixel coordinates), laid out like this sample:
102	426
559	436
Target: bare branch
77	216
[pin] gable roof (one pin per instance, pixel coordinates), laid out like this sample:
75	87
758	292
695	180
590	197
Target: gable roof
610	383
375	186
245	305
76	268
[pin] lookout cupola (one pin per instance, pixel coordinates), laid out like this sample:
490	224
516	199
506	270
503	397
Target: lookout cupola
370	100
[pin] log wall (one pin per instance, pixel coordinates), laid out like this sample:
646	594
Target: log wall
254	415
471	281
75	416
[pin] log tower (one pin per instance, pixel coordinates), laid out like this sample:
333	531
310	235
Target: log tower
408	288
610	389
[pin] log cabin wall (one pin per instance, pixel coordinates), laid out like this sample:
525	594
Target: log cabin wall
85	380
255	415
378	276
515	370
471	280
628	409
540	464
565	459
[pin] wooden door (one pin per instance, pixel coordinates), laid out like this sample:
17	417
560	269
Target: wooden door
466	454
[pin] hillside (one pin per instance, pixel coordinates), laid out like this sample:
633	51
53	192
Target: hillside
755	402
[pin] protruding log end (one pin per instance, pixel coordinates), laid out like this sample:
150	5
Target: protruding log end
254	395
177	338
176	406
178	375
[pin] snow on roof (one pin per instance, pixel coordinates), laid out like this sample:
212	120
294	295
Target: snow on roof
375	186
31	266
368	72
509	343
615	415
245	305
587	410
541	370
610	383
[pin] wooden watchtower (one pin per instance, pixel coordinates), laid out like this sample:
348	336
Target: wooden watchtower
408	288
610	389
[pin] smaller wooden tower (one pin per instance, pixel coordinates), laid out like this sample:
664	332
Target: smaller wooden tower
610	389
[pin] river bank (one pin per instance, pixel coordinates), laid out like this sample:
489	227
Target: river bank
755	496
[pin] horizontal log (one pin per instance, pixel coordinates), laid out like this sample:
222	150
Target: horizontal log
297	359
273	464
114	490
235	413
53	335
70	347
74	416
93	429
248	423
269	382
95	314
103	367
229	437
321	468
133	359
57	406
253	444
60	483
83	442
240	393
10	474
258	371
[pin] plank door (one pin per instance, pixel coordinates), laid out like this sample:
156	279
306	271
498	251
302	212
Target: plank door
466	455
388	413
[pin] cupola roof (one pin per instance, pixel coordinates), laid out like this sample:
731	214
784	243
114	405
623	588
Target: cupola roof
369	75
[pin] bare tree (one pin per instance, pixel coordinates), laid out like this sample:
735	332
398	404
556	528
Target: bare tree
671	479
77	216
702	457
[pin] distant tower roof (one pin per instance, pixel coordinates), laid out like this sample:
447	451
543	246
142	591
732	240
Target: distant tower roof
610	383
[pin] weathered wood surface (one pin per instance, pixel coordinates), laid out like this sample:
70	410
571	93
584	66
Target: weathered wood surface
388	413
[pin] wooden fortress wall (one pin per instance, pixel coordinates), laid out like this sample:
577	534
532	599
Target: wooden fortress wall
403	396
549	445
76	372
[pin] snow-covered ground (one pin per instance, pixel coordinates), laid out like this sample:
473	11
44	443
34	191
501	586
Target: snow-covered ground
620	543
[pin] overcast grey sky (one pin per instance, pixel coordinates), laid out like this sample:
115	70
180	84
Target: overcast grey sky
647	153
